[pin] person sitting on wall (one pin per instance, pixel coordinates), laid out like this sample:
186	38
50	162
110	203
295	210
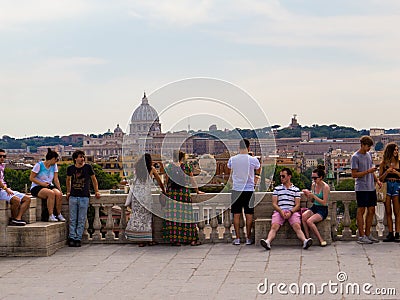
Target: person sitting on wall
19	202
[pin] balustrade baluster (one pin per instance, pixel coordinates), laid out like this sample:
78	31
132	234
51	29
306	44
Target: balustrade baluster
96	223
334	220
201	224
122	224
347	234
85	235
214	237
227	225
110	236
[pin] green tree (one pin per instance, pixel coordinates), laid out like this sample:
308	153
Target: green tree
345	185
297	179
106	181
18	180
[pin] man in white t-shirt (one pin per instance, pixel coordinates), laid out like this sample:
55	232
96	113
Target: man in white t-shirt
243	167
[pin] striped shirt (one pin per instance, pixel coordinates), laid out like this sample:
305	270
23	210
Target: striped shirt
286	196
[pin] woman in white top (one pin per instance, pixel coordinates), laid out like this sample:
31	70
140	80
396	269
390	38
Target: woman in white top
43	174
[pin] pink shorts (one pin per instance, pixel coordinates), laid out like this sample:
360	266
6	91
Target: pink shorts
277	218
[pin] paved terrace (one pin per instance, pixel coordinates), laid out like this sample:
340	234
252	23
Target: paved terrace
209	271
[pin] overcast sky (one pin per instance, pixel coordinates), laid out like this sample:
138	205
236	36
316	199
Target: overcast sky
81	66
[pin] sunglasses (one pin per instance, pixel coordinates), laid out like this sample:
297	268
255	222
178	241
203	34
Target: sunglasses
314	177
3	155
282	176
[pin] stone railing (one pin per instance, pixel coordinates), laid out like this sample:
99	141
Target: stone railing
110	217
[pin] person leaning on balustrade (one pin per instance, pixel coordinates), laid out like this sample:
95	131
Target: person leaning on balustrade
389	172
179	226
139	228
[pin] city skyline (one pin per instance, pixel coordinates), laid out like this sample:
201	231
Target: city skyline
82	66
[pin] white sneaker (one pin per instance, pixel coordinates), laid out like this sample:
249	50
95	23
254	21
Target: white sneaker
236	242
52	218
265	244
364	240
307	243
61	218
249	241
372	239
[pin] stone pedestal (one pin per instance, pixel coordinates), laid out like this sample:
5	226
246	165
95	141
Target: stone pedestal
37	239
287	236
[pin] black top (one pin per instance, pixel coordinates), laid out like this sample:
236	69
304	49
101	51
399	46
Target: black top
80	180
390	175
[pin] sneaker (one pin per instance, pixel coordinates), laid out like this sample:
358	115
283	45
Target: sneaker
18	222
372	239
307	243
364	240
249	241
265	244
389	238
236	242
61	218
71	242
397	238
52	218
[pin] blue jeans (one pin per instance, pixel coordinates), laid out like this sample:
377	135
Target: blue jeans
78	207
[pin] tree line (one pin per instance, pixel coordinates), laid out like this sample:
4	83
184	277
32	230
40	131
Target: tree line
18	180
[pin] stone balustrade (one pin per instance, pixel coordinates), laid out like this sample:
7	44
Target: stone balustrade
218	228
110	218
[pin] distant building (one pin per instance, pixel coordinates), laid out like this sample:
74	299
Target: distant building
105	145
376	132
294	124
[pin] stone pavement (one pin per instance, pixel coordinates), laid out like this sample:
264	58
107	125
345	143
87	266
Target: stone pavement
211	271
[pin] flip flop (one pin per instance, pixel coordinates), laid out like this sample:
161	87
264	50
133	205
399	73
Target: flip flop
197	243
323	244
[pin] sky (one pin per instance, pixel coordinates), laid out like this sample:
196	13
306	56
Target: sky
81	66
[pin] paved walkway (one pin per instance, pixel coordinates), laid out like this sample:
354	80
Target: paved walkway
219	271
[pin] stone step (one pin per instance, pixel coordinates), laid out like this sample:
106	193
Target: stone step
36	239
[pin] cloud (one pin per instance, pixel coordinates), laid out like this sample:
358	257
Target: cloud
14	14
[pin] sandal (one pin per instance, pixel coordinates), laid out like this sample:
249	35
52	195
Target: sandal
323	244
142	244
195	243
153	243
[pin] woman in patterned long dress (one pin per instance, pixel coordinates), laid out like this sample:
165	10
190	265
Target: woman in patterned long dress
139	227
179	226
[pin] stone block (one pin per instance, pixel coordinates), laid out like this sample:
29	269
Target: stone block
37	239
286	235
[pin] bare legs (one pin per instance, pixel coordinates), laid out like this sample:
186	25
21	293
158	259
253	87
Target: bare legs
368	220
309	219
19	206
275	227
53	196
396	209
249	224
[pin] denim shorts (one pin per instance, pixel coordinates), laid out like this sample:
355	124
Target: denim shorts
392	188
321	210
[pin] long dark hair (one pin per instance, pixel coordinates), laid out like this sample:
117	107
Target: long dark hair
388	153
51	154
143	167
320	171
